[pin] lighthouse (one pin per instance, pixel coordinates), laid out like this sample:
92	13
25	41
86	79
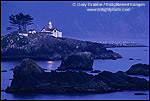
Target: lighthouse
51	31
50	25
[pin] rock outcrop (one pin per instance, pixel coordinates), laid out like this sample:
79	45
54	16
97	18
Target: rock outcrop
95	71
138	69
4	71
122	81
45	47
27	74
140	94
30	78
80	60
131	59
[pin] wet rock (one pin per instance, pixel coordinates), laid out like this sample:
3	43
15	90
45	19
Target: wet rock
4	71
95	71
11	69
139	94
122	81
138	69
80	60
114	59
131	59
44	69
138	59
2	90
146	74
60	69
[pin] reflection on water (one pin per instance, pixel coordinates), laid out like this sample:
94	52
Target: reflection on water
50	65
50	62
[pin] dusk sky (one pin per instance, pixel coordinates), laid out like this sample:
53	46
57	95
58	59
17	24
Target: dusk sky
76	22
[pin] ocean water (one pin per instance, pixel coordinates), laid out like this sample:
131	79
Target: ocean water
122	64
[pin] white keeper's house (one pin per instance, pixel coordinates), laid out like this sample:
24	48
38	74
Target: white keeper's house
52	31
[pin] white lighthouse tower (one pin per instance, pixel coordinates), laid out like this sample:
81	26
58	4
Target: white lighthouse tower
50	25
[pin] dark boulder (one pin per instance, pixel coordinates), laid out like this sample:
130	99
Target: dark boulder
113	58
11	69
27	74
2	90
95	71
45	69
138	59
131	59
122	81
139	94
80	60
138	69
4	71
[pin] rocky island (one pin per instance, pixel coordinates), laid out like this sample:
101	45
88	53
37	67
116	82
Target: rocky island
138	69
41	46
31	78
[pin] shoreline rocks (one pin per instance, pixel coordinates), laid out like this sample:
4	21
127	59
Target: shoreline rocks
4	71
139	94
11	69
131	59
30	78
138	69
95	71
2	90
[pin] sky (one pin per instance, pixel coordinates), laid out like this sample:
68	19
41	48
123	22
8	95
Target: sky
77	22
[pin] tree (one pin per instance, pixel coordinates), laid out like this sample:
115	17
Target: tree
21	21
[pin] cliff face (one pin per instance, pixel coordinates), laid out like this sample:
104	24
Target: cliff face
42	46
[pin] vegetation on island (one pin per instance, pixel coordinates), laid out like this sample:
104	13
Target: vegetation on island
20	21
